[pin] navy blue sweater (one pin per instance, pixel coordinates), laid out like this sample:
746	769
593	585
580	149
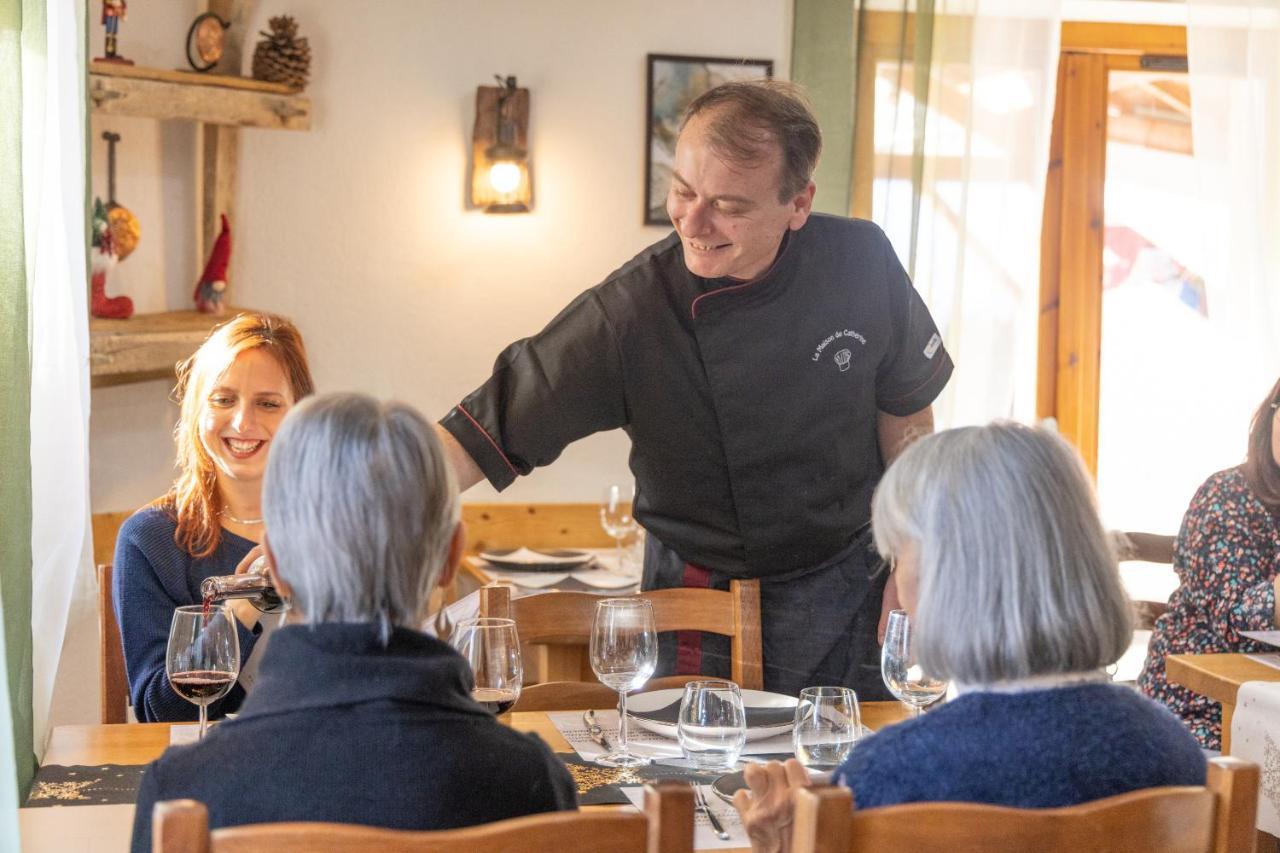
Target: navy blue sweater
150	578
340	728
1035	749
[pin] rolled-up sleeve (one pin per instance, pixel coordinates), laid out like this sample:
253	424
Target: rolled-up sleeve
546	392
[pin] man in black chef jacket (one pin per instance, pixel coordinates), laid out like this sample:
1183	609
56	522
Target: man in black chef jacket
767	362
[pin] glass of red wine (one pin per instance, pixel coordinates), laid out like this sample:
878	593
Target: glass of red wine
203	658
492	647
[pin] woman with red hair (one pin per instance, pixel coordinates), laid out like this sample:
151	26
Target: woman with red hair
234	392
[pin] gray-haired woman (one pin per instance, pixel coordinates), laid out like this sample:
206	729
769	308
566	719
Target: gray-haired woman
356	716
1015	597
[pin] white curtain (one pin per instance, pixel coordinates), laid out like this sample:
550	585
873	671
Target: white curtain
960	189
1233	53
53	167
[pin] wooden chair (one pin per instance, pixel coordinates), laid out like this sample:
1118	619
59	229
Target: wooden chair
113	683
562	621
182	826
1218	818
1147	548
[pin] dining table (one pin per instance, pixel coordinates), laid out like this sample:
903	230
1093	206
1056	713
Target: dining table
1219	677
106	828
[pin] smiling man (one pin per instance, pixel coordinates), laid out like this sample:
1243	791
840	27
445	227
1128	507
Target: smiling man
767	363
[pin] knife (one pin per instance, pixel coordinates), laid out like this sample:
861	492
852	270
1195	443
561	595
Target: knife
594	730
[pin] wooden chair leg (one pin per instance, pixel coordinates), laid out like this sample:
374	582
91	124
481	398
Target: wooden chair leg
669	808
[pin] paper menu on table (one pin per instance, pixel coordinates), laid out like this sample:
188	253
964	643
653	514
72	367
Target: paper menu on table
1271	638
704	837
641	740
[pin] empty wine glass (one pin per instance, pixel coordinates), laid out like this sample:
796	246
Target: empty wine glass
624	654
827	725
615	515
203	657
492	647
712	725
901	671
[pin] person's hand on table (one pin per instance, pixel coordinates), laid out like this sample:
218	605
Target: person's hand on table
767	809
246	614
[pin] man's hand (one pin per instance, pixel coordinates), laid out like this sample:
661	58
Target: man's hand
767	810
465	469
888	603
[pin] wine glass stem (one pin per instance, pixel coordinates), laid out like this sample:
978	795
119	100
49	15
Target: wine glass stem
204	718
618	541
622	721
915	711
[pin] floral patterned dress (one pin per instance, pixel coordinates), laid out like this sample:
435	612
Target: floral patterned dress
1226	555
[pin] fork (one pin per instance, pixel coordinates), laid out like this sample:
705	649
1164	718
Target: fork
700	802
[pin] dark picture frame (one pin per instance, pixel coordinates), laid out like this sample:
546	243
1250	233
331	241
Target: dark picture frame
672	82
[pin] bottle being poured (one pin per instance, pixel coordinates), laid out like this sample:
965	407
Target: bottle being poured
254	586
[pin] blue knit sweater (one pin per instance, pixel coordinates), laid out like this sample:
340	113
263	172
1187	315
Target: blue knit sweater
150	578
1042	748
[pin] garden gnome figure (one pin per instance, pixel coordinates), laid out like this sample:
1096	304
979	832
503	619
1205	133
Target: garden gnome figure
213	283
113	12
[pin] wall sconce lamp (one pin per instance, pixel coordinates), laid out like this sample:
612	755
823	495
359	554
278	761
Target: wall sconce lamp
500	179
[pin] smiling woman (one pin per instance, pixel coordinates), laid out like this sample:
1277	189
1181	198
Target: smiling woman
234	392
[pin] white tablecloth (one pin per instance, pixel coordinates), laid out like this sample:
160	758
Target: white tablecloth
1255	737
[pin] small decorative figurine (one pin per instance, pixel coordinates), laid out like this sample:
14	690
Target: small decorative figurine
205	41
113	12
115	235
213	282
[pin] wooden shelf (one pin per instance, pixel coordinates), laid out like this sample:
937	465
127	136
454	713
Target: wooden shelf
146	346
130	90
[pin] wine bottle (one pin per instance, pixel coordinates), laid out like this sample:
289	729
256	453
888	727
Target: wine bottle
254	586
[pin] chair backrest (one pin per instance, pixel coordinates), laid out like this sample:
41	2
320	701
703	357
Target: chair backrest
1147	548
665	827
1218	818
564	618
113	683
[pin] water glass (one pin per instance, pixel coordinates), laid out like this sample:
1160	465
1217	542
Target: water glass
202	659
900	669
827	725
492	647
624	654
712	726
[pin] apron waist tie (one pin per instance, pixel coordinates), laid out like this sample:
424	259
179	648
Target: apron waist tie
689	643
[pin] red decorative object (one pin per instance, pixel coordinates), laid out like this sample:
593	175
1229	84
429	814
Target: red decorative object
213	282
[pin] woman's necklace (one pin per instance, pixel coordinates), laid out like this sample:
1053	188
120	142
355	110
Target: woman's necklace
231	517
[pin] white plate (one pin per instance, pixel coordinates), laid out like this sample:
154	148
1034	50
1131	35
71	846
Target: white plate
750	698
529	560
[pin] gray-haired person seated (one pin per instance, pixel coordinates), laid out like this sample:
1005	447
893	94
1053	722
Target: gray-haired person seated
356	716
1014	594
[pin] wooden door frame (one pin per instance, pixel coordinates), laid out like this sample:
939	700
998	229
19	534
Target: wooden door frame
1073	230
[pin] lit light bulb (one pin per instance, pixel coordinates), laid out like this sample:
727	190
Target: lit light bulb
504	177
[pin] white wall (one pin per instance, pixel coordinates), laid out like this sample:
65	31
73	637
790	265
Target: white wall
357	229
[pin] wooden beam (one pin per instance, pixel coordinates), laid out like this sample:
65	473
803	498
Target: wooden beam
219	156
237	14
124	95
1105	37
146	346
1083	174
1050	268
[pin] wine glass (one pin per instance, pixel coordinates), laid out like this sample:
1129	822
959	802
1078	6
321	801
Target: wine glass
827	725
624	654
203	657
712	724
900	669
492	647
615	515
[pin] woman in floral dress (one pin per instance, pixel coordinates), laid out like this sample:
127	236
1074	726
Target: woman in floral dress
1227	557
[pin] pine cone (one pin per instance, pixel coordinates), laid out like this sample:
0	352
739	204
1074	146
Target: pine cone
282	57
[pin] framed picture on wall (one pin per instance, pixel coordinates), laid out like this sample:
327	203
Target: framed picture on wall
673	82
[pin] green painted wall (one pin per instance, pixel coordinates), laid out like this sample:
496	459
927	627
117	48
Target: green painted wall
822	60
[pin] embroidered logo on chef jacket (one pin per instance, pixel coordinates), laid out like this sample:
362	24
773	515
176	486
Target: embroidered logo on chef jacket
843	357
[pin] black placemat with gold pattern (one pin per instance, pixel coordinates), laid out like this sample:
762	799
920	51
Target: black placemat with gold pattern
602	786
85	785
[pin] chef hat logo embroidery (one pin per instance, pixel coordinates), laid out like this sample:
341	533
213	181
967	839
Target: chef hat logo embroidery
842	359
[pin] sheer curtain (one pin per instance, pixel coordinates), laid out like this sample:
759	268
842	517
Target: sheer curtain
54	118
963	116
1233	54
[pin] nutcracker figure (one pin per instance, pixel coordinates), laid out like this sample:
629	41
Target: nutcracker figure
113	12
